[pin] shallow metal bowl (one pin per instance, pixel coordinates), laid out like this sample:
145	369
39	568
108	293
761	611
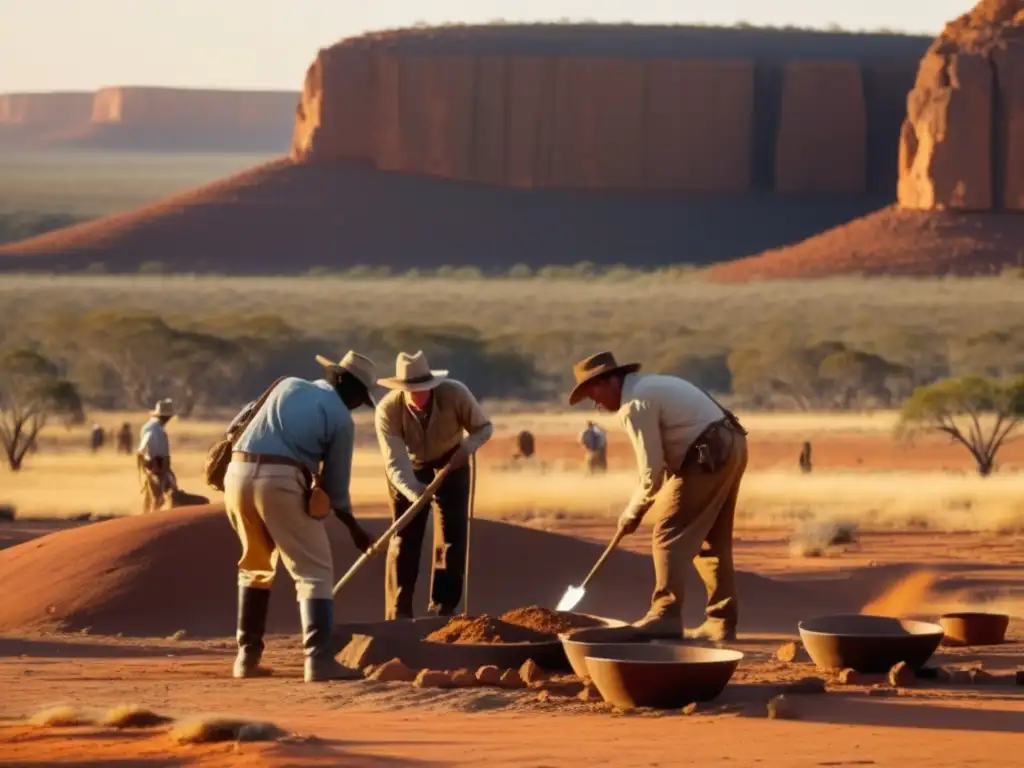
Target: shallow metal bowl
661	676
974	628
868	644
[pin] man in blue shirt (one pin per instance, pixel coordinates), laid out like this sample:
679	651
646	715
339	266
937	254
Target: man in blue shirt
301	426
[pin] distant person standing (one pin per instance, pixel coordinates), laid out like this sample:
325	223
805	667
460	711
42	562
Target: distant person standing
524	445
805	458
426	422
595	442
125	439
153	457
97	438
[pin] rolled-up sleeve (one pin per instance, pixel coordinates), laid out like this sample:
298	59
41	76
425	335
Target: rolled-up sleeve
473	420
337	463
640	419
397	464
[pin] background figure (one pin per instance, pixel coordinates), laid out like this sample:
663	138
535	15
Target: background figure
125	439
595	441
805	458
156	479
96	438
524	445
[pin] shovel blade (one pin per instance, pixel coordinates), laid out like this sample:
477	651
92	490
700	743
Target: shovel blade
570	599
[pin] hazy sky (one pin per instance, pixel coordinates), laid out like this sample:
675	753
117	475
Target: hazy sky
84	44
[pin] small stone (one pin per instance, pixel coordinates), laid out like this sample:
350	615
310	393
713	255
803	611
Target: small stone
489	675
179	635
393	671
510	678
531	673
851	677
805	685
1018	677
432	678
589	693
463	678
787	653
690	708
901	675
980	677
781	708
566	688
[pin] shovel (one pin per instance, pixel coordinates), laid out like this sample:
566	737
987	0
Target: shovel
573	595
396	527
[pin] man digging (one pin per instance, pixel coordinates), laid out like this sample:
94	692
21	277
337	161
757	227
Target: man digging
153	458
301	427
691	454
424	423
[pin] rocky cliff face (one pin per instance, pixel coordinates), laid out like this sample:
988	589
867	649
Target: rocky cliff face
734	117
962	143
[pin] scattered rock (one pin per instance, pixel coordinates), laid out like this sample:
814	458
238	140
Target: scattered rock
788	653
544	696
690	708
589	693
511	678
463	678
531	673
852	677
806	685
489	675
901	675
567	688
393	671
781	708
432	678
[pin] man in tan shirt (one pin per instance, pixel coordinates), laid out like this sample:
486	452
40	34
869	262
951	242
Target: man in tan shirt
691	454
426	422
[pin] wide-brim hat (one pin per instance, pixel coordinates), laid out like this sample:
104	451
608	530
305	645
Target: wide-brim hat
360	366
593	368
163	408
413	374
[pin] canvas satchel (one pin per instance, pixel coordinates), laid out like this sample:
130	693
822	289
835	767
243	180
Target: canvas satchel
219	455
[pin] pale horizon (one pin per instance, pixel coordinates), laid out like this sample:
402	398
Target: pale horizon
70	45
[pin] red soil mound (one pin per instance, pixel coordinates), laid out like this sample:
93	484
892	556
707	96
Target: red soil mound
892	242
151	575
281	218
548	621
484	629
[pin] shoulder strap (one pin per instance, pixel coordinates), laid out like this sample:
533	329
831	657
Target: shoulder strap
255	409
733	419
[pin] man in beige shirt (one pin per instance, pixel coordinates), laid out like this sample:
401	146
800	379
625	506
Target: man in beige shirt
691	454
424	423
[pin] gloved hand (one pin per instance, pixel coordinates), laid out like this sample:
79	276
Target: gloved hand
628	522
460	458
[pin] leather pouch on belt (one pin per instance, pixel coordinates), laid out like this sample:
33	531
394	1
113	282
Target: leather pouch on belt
318	503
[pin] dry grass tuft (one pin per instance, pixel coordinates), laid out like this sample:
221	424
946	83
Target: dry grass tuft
62	716
208	730
133	716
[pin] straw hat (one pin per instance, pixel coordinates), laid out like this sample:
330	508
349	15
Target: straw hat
360	366
163	408
594	367
413	374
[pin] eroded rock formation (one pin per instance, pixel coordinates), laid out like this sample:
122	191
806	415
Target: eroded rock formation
610	113
962	143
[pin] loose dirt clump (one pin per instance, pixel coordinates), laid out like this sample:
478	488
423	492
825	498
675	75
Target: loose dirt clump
484	629
547	621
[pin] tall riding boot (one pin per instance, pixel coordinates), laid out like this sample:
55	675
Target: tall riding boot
252	624
317	624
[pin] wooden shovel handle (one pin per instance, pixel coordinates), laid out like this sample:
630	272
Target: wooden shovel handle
604	556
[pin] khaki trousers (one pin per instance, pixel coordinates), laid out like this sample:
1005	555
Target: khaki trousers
693	522
266	505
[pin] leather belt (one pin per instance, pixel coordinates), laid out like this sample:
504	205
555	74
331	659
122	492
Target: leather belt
266	458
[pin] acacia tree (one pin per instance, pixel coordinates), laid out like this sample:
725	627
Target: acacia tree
31	392
977	412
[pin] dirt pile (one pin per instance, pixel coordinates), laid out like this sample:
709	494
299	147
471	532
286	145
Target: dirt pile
548	621
153	575
962	144
484	629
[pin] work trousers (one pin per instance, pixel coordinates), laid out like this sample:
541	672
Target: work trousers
596	461
451	510
266	505
693	516
155	487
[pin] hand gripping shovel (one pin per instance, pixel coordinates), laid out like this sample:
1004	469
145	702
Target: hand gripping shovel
573	595
396	527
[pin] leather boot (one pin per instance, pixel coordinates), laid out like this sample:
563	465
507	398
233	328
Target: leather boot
317	624
662	625
712	630
252	623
